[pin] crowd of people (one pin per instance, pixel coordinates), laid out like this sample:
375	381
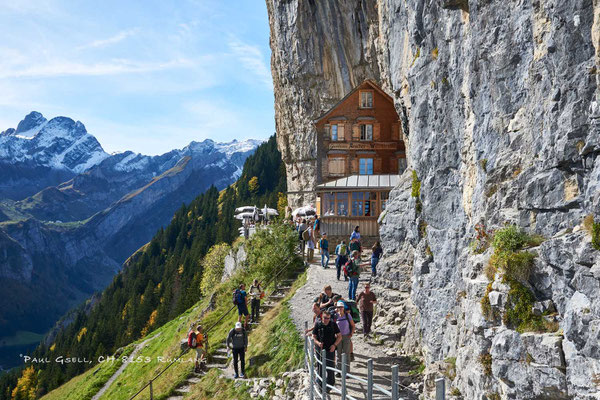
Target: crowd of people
334	317
334	325
237	338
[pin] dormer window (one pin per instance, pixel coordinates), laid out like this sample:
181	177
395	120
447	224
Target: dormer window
366	132
366	99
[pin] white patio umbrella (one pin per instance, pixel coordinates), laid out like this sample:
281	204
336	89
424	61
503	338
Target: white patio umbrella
304	211
245	209
269	211
244	215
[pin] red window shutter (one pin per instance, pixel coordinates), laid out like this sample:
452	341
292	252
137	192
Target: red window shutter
356	132
376	131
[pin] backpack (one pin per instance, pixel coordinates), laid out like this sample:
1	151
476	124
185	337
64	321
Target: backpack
350	268
306	235
354	311
343	250
345	327
192	342
237	294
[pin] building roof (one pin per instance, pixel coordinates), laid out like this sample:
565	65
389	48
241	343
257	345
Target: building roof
367	82
361	182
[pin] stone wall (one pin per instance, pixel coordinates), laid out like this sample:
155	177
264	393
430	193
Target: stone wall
499	105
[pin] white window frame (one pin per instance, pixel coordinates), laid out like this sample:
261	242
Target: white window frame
366	134
365	103
367	164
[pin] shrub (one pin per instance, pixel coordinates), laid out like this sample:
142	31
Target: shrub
596	236
509	238
213	263
416	190
483	164
518	311
489	313
455	392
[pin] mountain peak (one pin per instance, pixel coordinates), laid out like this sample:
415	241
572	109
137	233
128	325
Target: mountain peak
31	124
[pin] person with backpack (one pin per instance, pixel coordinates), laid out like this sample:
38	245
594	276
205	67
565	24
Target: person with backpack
355	246
326	335
237	342
353	270
345	323
366	299
239	299
341	252
324	246
375	256
255	295
302	227
196	340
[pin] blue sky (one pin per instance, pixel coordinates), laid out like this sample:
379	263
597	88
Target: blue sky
147	76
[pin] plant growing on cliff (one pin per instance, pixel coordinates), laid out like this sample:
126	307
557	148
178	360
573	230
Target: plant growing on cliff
486	362
416	190
594	229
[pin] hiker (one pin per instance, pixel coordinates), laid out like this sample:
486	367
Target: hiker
326	335
310	244
341	251
353	270
355	233
323	301
196	340
365	300
347	327
301	235
256	294
324	246
316	228
355	246
240	301
237	341
375	256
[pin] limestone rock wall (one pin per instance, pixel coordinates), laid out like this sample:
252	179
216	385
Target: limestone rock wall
499	101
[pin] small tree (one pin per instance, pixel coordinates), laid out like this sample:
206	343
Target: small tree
214	264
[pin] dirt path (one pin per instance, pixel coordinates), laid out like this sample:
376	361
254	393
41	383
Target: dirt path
122	367
364	349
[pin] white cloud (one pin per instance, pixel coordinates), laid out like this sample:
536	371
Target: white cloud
252	60
111	40
115	67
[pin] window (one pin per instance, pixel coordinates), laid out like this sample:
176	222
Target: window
357	204
337	166
366	99
341	202
328	205
337	132
370	204
366	132
366	166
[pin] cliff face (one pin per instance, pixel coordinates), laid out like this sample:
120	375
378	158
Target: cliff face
501	116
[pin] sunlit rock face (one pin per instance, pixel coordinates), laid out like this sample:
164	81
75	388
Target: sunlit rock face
499	107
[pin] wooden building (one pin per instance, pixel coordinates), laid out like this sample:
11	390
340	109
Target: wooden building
360	154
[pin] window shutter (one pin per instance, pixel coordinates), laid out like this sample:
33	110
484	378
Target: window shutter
341	132
354	169
327	135
376	131
377	165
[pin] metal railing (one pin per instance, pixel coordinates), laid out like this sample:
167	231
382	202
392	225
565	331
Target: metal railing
149	385
373	389
320	380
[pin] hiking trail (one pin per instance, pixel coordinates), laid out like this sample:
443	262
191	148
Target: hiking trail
364	348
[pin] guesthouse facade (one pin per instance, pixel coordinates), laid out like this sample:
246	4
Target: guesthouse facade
360	155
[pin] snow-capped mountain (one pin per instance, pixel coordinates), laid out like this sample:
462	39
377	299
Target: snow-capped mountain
40	154
60	143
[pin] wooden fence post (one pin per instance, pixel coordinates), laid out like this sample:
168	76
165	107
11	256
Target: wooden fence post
151	392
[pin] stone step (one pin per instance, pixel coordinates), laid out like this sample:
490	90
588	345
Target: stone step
277	296
196	375
193	380
216	365
222	357
283	288
175	398
184	389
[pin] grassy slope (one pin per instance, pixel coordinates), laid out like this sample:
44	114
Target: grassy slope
274	343
84	386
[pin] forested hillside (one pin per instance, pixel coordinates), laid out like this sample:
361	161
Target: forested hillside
159	282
